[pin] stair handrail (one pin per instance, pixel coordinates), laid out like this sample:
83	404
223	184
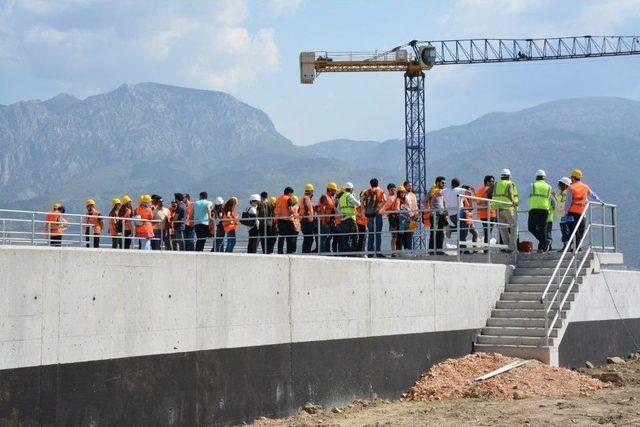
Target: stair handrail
567	246
548	304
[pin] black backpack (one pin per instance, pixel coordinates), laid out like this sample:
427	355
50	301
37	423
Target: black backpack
371	203
248	219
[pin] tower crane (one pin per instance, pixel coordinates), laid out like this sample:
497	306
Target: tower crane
418	56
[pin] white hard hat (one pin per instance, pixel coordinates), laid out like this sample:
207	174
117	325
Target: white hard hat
565	180
540	172
348	186
219	201
505	172
254	198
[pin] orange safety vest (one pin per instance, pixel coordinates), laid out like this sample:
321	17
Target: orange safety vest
281	211
229	221
296	219
92	218
53	227
467	206
145	230
361	218
306	213
482	205
127	223
579	197
189	220
112	225
326	208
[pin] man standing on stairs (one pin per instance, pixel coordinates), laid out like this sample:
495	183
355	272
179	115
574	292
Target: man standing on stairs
505	198
539	207
578	197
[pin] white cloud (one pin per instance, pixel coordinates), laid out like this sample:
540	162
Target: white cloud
279	7
79	43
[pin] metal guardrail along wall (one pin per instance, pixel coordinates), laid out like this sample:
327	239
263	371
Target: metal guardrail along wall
459	235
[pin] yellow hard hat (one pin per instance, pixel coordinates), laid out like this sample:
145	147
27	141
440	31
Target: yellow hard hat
272	199
332	186
401	188
90	202
308	187
294	198
576	173
140	197
146	198
56	206
116	201
126	199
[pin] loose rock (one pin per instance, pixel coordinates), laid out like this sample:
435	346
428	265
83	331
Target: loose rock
312	408
588	364
610	377
615	360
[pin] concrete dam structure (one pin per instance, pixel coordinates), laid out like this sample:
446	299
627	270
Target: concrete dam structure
102	337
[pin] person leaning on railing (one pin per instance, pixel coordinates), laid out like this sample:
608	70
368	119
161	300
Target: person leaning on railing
578	197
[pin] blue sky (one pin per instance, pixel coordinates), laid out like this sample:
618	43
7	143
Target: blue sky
250	49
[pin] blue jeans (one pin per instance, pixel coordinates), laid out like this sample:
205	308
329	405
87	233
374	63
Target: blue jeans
189	235
231	240
374	225
325	238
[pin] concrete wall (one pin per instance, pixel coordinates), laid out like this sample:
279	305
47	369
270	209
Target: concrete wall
74	305
604	319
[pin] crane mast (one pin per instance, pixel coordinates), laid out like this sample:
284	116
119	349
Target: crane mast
416	57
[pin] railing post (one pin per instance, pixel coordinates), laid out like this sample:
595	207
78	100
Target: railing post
604	231
81	220
458	226
319	243
590	222
33	228
488	225
546	321
516	235
4	232
614	221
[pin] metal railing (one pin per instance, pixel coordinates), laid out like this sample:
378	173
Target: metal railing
577	253
77	230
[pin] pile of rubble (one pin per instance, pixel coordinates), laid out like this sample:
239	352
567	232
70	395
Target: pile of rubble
455	378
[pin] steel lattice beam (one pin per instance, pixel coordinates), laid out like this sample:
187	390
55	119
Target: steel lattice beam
415	155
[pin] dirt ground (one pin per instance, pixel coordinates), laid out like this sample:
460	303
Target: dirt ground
617	405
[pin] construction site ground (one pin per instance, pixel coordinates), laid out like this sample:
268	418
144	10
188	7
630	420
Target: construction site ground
617	404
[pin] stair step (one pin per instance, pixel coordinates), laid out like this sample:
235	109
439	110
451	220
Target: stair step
549	263
537	287
541	279
527	305
515	322
513	340
545	271
525	313
529	296
534	256
518	331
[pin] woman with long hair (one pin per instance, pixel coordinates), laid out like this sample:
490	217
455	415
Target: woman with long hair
115	224
126	215
230	222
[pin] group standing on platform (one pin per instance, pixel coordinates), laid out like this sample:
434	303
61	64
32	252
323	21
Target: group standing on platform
341	220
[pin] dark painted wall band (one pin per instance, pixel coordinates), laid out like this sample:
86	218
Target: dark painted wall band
226	386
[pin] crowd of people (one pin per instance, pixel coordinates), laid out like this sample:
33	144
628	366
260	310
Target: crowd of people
337	221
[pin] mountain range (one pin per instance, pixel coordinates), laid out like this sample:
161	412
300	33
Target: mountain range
153	138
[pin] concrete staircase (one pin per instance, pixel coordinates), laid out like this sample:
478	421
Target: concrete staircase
516	325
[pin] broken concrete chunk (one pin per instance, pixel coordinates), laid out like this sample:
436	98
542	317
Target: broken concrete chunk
615	360
610	377
311	408
588	364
